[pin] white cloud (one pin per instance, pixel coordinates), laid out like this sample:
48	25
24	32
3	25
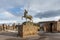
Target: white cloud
51	19
36	5
36	20
8	21
33	6
10	3
7	14
43	5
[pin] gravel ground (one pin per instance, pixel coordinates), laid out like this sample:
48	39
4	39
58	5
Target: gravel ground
42	36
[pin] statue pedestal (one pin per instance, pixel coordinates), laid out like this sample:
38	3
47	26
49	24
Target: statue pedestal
27	29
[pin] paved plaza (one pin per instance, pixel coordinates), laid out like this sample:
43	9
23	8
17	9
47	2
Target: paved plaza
42	36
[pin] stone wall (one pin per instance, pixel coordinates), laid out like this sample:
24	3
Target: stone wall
27	29
50	28
5	27
58	26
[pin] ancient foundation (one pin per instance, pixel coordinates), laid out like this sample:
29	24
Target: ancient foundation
27	29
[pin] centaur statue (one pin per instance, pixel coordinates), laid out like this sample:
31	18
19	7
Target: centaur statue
27	16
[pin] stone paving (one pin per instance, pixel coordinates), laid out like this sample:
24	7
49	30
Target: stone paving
42	36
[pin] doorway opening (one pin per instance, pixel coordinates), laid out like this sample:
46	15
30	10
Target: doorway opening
50	28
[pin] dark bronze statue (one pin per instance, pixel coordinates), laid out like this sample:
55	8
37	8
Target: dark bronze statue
27	16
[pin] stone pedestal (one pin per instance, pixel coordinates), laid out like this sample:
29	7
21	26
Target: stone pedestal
27	29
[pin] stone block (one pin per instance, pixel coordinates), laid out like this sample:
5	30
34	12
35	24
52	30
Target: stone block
27	29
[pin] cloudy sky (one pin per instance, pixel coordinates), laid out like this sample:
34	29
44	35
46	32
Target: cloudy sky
41	10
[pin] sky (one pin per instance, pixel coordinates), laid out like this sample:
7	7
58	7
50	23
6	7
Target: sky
42	10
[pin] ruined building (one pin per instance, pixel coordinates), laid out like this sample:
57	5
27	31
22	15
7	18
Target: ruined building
50	26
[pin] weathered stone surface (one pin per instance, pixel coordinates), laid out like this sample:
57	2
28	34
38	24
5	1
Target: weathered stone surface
27	29
51	26
58	26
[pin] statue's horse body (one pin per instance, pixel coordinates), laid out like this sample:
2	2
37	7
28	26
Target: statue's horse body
27	16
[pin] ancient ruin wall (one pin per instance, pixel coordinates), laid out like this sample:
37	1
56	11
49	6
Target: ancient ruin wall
28	30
